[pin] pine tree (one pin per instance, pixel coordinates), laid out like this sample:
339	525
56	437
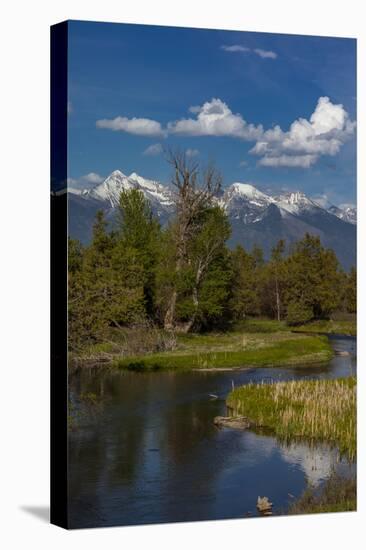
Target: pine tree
208	265
246	276
274	282
140	231
351	291
314	279
107	288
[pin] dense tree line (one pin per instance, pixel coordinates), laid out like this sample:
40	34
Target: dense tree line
184	277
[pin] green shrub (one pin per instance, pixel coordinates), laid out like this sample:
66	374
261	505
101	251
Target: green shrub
298	314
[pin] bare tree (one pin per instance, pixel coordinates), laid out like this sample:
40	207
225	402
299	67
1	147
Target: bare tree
194	191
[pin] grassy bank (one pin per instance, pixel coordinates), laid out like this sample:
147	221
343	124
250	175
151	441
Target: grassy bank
251	343
317	409
349	328
234	350
338	495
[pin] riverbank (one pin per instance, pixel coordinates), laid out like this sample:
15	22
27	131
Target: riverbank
346	328
323	410
338	494
251	343
234	351
119	408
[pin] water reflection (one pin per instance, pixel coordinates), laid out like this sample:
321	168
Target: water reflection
153	454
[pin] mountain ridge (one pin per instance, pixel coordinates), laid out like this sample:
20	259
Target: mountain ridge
257	218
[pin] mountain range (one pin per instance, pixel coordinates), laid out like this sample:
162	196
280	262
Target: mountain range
256	218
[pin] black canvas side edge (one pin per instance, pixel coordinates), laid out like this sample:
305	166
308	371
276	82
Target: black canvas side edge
59	390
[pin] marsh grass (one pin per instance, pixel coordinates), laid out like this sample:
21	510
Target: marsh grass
346	327
338	494
234	351
316	409
258	325
121	342
251	343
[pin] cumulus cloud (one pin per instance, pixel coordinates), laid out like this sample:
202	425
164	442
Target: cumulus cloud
153	150
93	178
235	48
265	54
306	140
214	118
296	161
192	152
301	146
137	126
195	109
86	181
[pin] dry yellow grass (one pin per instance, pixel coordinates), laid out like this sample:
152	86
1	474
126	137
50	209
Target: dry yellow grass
317	409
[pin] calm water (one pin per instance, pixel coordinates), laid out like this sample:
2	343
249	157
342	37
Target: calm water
149	452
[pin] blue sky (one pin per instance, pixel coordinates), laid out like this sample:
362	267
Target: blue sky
274	110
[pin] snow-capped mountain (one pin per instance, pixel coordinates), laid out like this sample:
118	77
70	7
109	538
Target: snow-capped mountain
244	202
110	189
347	213
295	203
256	217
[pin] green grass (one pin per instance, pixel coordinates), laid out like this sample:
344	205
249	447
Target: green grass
250	343
348	328
316	409
338	495
258	325
234	350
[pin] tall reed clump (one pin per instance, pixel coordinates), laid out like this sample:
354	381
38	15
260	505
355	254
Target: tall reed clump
316	409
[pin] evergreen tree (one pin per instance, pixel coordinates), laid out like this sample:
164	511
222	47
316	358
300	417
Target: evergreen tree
140	231
208	269
274	282
74	255
245	287
85	314
314	278
106	290
351	291
202	283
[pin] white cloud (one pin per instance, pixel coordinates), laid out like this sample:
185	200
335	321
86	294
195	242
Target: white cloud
265	54
322	200
137	126
214	118
295	161
192	152
86	181
153	150
195	109
323	134
235	48
243	163
93	178
69	108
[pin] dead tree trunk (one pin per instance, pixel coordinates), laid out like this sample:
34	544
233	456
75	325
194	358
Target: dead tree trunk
194	193
278	301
